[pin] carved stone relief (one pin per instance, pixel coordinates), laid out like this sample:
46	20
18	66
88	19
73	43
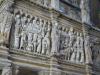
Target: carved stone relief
71	44
34	34
95	47
85	8
5	24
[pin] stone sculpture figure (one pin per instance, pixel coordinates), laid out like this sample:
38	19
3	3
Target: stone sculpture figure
85	11
46	44
22	31
6	19
73	52
78	47
72	45
39	43
29	47
67	38
55	38
81	42
42	28
17	31
5	26
81	48
23	21
67	50
88	50
72	37
35	36
45	27
22	40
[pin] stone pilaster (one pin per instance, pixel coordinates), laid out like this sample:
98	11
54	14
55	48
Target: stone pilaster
86	22
7	22
54	70
54	66
88	52
55	24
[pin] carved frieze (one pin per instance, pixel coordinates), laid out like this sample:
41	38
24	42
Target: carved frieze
37	35
32	33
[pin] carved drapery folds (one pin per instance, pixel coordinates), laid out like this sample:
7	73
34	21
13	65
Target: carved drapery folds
5	23
37	35
71	44
32	34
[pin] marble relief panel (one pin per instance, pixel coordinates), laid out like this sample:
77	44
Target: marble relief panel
35	34
32	33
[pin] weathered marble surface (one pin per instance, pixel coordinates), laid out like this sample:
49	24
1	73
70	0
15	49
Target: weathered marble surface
36	39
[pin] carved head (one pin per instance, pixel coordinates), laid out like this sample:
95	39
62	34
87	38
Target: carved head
78	33
71	29
17	16
81	35
67	30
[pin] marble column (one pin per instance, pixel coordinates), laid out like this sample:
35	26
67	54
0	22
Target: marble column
7	71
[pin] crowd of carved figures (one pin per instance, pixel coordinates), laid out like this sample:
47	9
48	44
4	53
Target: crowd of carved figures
37	35
71	44
32	34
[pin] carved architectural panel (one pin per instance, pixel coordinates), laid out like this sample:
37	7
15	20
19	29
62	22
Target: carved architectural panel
37	35
5	25
32	33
